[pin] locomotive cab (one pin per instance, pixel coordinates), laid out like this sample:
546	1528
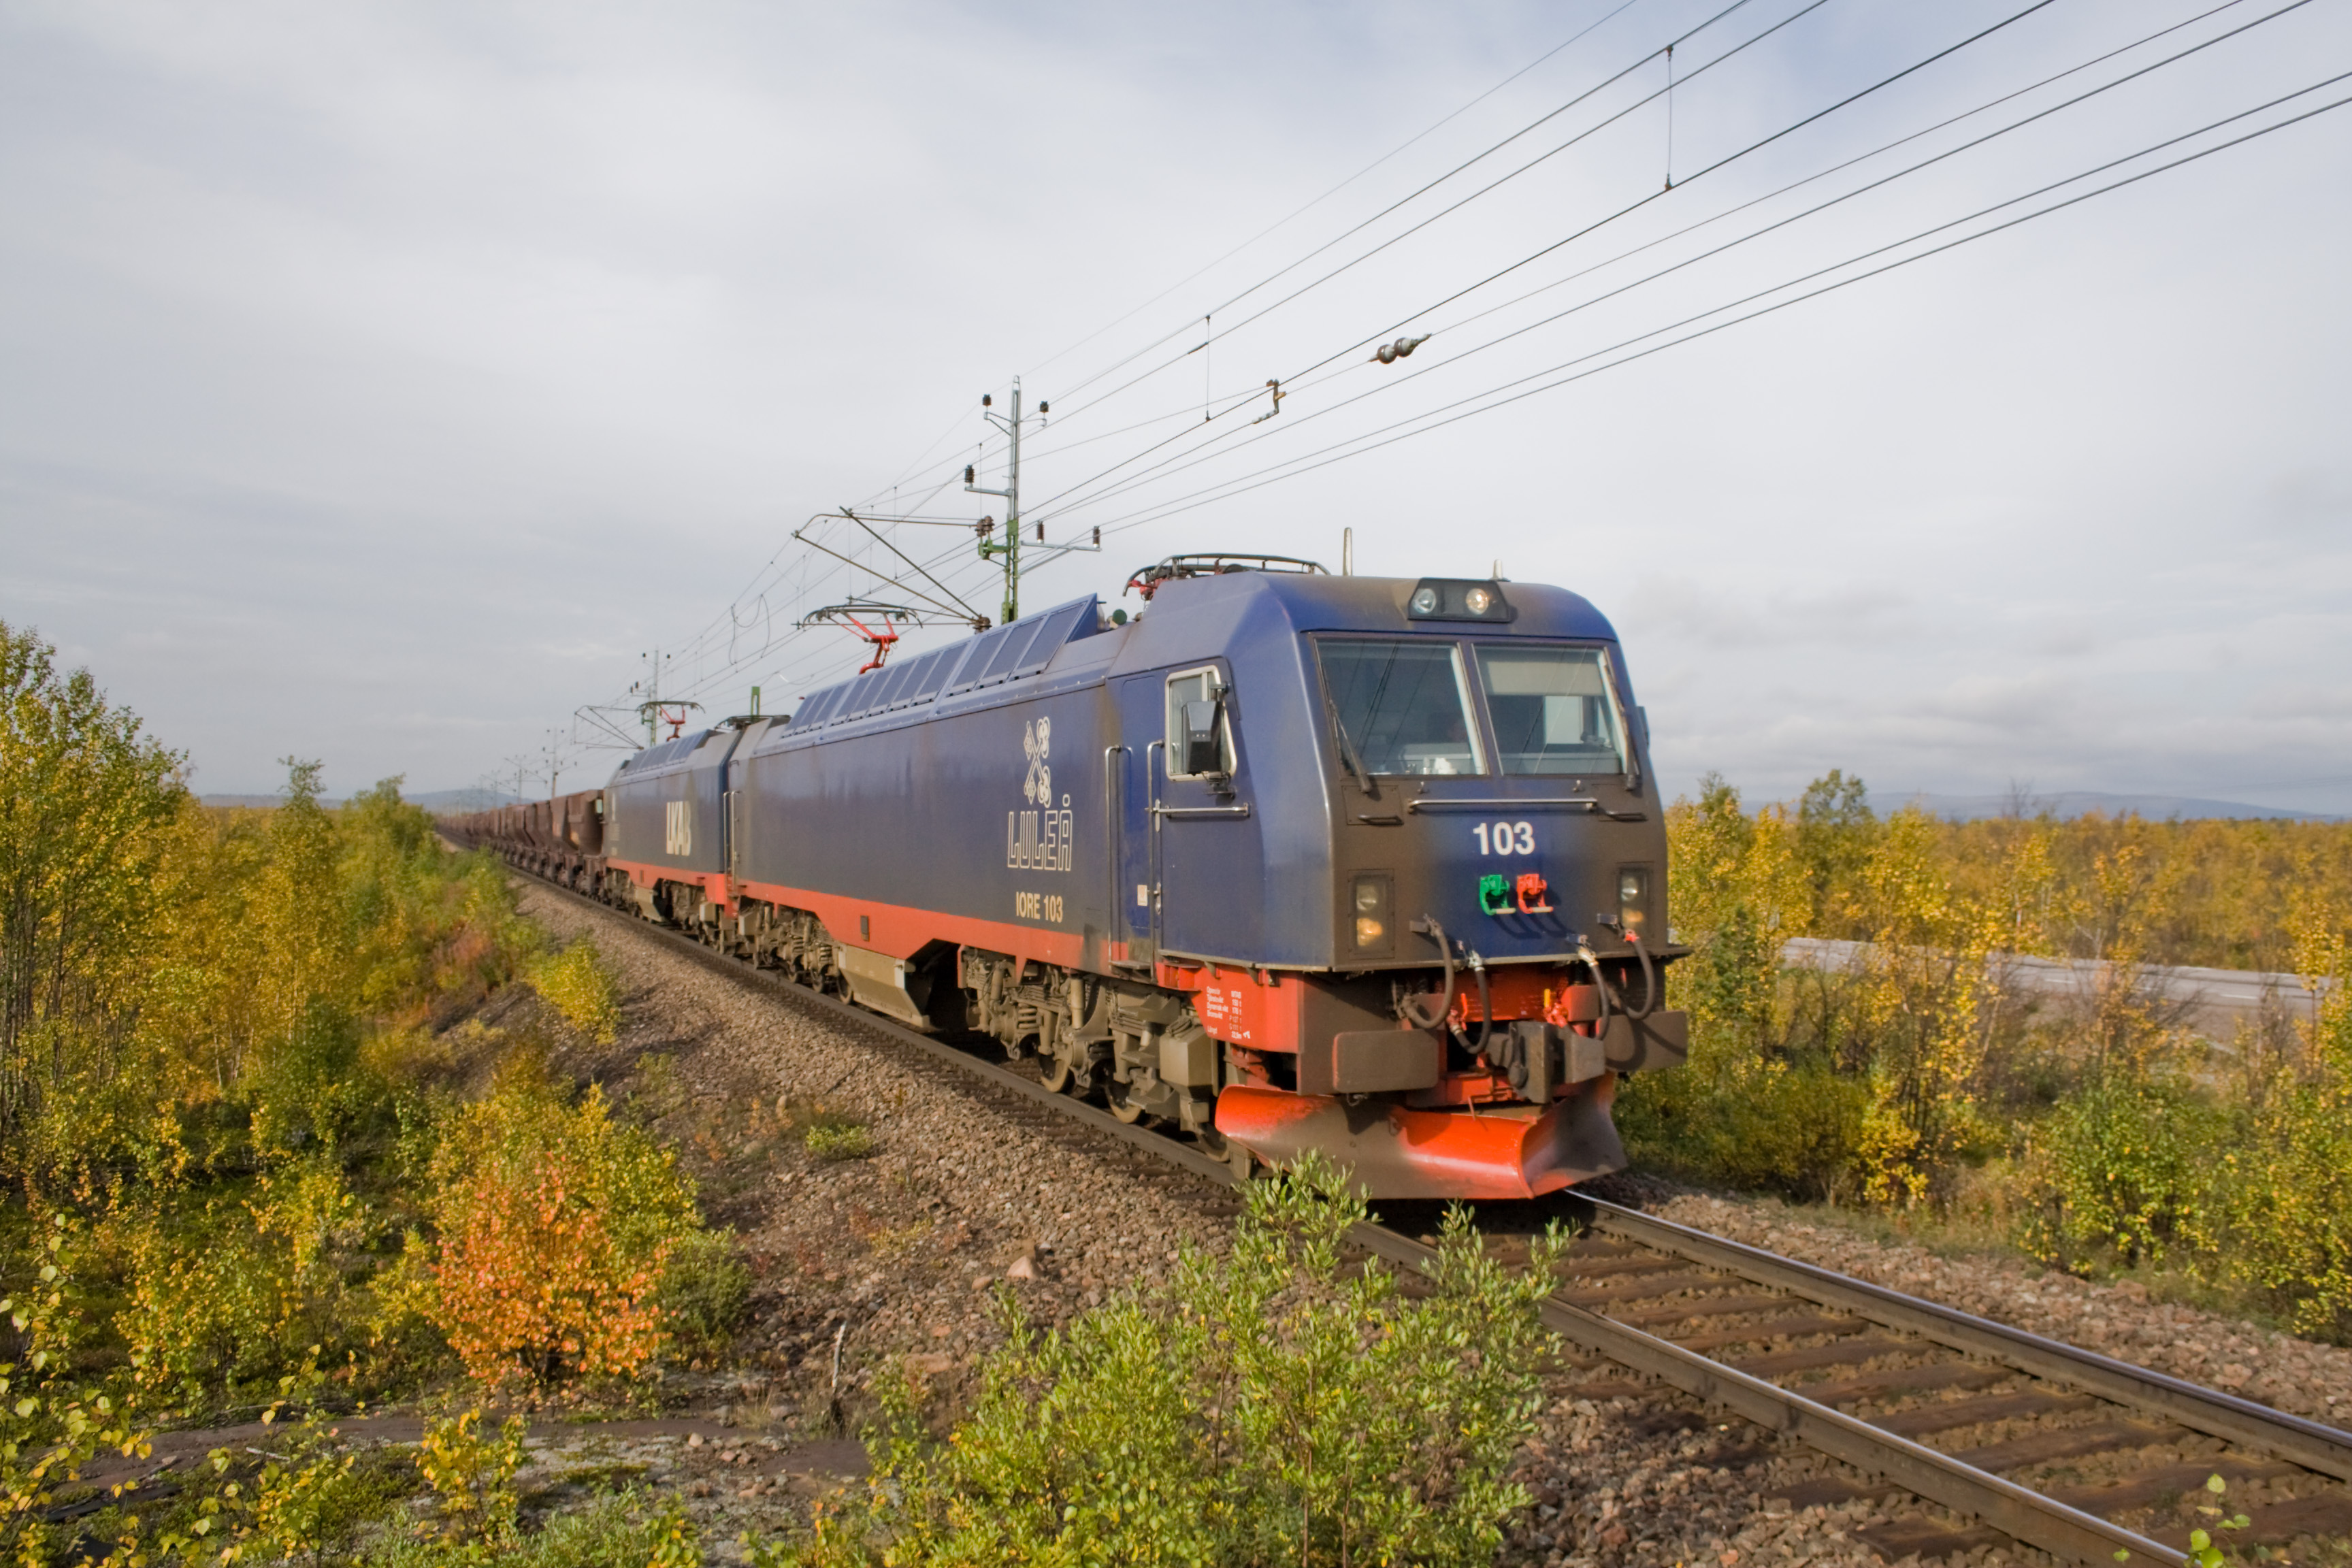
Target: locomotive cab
1443	779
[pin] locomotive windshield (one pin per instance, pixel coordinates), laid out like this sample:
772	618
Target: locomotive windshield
1401	705
1553	709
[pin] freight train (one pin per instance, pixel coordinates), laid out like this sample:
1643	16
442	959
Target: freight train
1287	861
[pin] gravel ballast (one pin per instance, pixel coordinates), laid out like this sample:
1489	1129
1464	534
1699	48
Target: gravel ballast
967	1193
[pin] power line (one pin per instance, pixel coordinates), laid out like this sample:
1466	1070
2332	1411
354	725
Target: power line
1357	228
1224	489
1300	212
1410	378
695	645
1428	420
1833	169
1591	130
1597	223
1721	163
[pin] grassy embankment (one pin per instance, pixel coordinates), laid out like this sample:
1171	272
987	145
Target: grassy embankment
260	1161
259	1157
2100	1136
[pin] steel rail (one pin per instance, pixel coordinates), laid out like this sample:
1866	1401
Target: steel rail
2028	1515
2019	1512
2208	1410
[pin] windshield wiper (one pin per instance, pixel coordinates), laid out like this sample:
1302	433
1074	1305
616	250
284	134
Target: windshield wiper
1355	763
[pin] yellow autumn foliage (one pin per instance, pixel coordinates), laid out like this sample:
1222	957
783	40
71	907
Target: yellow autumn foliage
2109	1132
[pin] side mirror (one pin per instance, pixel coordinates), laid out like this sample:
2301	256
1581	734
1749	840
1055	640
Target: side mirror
1203	748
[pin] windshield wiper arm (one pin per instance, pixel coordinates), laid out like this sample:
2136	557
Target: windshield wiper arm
1355	763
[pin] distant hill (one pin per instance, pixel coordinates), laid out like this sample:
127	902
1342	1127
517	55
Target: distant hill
450	800
439	801
2073	803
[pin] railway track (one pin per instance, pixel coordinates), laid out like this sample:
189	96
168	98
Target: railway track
2080	1455
2058	1447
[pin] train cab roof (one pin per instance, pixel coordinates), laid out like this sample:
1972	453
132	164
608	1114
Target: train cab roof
689	752
1314	602
1228	612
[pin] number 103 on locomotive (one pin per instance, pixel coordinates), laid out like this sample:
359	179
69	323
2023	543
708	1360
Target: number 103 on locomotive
1506	837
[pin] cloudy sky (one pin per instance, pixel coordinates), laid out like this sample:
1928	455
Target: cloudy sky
381	384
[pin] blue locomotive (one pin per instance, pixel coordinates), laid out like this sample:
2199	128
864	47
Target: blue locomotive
1287	861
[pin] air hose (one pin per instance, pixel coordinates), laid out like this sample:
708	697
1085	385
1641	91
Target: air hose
1649	981
1486	1008
1427	926
1600	981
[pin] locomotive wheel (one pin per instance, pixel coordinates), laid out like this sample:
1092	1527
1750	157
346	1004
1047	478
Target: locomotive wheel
1126	1109
1055	1073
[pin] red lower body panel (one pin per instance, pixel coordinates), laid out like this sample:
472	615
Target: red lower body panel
1395	1152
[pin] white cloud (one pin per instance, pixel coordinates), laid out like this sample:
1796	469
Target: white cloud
376	382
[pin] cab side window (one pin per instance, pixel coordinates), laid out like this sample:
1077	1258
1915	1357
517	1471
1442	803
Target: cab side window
1200	736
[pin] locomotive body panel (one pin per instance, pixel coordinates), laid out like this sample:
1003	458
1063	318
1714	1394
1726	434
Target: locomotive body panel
665	810
960	817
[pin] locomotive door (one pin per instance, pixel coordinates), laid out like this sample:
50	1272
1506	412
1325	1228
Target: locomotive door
1196	800
1129	770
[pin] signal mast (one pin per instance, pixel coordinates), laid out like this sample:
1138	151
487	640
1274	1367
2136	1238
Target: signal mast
1011	547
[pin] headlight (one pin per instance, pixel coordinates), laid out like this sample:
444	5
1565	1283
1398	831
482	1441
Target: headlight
1369	895
1458	599
1633	900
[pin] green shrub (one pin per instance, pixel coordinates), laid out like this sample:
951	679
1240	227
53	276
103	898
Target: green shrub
55	1419
2253	1197
838	1140
577	984
2124	1163
1274	1405
472	1471
619	1529
2285	1204
314	1497
704	1290
1794	1128
2257	1198
227	1062
614	1530
312	1090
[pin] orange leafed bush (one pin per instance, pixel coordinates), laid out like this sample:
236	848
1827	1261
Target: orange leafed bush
555	1226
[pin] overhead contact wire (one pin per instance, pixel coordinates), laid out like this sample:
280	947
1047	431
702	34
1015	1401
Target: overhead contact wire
1878	151
1298	213
1685	182
1359	228
1412	376
1596	224
1296	465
